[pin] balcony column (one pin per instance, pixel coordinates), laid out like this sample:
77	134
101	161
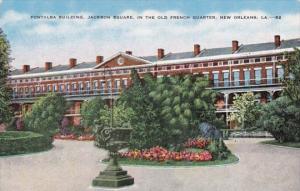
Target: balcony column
226	96
271	93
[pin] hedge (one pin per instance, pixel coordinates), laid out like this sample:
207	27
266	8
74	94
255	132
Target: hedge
21	142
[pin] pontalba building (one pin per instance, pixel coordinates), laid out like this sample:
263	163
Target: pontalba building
232	70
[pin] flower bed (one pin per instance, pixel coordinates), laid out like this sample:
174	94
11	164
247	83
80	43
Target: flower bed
74	137
196	143
161	154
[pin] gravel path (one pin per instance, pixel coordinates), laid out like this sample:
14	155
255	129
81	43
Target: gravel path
71	166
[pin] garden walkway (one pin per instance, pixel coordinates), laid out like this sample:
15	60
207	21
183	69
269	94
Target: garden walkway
72	165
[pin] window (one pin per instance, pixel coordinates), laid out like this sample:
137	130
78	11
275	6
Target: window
68	88
80	87
279	57
74	86
196	65
225	63
235	62
49	78
246	61
269	75
257	60
226	79
247	77
280	73
205	64
117	86
269	58
109	86
159	68
236	78
37	89
61	88
54	87
102	86
177	67
168	67
95	86
87	86
216	79
186	66
215	64
124	83
48	88
257	76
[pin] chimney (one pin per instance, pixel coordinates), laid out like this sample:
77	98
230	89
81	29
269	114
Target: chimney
99	59
235	45
26	68
277	41
160	53
72	62
48	66
196	49
128	52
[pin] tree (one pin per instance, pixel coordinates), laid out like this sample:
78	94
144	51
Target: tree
5	92
292	90
184	102
90	111
147	131
281	118
46	114
247	110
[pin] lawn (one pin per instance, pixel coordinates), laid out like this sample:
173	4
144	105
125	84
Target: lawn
286	144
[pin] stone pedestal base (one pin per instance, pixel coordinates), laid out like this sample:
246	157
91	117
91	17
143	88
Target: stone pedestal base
113	179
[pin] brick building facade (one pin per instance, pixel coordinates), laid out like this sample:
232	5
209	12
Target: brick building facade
231	70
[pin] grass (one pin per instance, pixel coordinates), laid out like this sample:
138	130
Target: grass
231	159
286	144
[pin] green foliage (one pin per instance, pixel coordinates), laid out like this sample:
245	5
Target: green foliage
90	111
167	109
20	142
122	117
281	118
183	103
247	110
292	90
46	114
147	131
5	92
218	149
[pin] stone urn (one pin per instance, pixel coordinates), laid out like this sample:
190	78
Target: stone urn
113	140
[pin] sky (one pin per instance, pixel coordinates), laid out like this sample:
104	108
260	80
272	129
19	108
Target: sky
35	41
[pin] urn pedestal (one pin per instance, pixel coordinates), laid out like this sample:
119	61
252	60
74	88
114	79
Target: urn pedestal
114	176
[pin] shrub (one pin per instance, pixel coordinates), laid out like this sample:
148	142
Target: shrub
90	111
20	142
281	118
218	149
46	114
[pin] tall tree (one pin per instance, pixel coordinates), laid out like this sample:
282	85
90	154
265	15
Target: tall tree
184	102
90	111
292	84
46	114
5	93
247	110
147	131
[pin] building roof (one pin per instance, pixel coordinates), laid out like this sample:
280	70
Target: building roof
291	43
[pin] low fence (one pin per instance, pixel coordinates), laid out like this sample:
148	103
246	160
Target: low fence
241	133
